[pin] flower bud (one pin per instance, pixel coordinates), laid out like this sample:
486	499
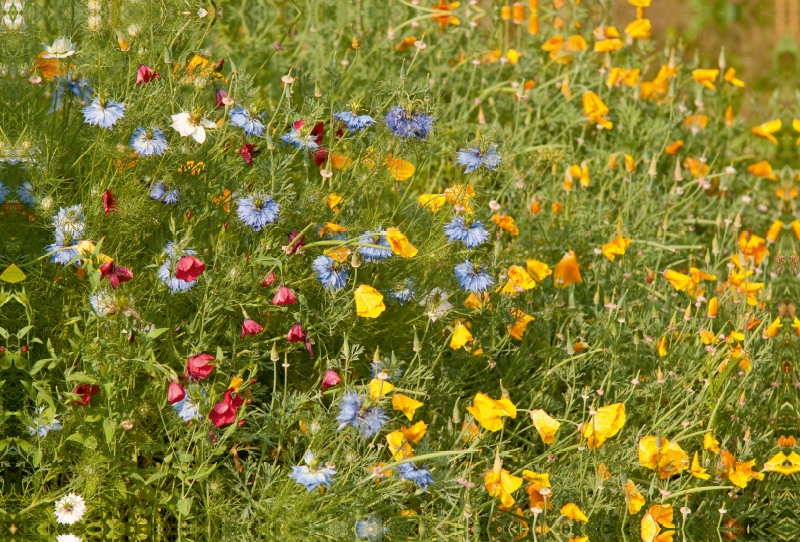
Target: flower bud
273	355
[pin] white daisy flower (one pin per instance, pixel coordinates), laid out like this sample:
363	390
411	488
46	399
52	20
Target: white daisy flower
70	509
192	125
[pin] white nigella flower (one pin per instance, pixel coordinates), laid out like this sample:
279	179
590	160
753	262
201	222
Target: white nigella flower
70	509
192	125
61	48
68	538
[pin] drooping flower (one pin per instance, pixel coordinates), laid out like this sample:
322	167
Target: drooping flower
295	242
417	474
284	296
296	333
61	48
198	367
469	231
312	475
473	158
368	420
566	272
488	412
604	424
257	211
116	274
596	110
697	470
224	412
710	443
103	113
633	498
248	152
706	77
194	125
369	301
461	336
86	392
573	512
148	141
330	273
353	121
189	268
400	244
250	328
330	379
145	74
175	392
406	124
546	426
405	404
473	277
247	120
70	509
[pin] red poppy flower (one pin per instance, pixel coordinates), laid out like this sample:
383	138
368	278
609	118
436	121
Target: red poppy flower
115	274
86	391
295	244
296	334
248	151
145	74
219	97
198	367
109	202
284	296
250	327
331	378
224	412
268	281
175	393
189	268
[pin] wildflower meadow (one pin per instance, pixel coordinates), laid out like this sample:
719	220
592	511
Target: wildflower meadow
391	270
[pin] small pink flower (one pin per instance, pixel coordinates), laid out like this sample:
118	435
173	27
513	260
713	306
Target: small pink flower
330	379
127	425
284	296
145	74
296	334
198	367
421	45
268	280
277	45
251	327
109	202
115	274
189	268
175	393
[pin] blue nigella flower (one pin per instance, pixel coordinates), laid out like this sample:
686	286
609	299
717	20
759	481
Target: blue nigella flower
257	211
70	222
312	475
160	192
148	142
471	235
28	194
167	274
373	254
473	277
103	113
354	122
303	142
371	528
368	420
102	303
330	273
42	426
3	192
405	124
381	367
420	475
247	120
473	158
81	88
404	291
65	242
188	408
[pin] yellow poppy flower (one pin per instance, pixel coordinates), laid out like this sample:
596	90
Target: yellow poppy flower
730	77
679	281
513	56
713	307
630	163
459	194
405	43
706	77
476	303
668	460
379	388
615	76
506	223
398	446
796	328
399	168
796	128
616	247
605	423
521	321
518	280
612	161
776	464
433	202
674	147
581	173
414	433
369	301
546	426
540	270
400	244
608	45
536	207
753	246
339	254
762	169
774	329
698	471
639	3
501	485
461	336
537	482
331	228
596	110
634	499
572	511
773	231
696	122
737	472
662	347
638	29
766	130
333	201
488	412
533	24
405	404
632	78
566	272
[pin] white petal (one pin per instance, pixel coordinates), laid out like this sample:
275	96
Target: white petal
207	123
199	134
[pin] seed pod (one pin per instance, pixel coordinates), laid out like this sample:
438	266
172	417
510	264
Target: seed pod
794	264
780	260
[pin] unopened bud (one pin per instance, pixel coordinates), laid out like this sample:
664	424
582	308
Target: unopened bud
376	357
653	169
273	355
678	176
456	413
